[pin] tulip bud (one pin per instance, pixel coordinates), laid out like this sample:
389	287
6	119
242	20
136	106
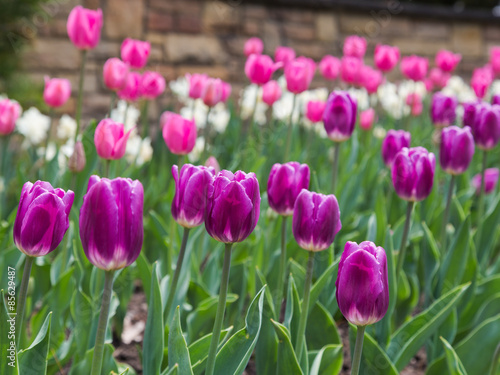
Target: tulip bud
233	206
110	139
362	283
299	74
84	27
9	113
355	46
77	161
135	52
284	55
481	81
414	67
57	91
42	218
196	84
329	67
271	92
457	149
386	57
315	110
394	142
213	92
367	119
212	162
443	109
284	185
486	126
111	228
339	116
253	46
115	73
447	61
490	180
152	85
413	173
349	69
260	68
179	133
131	90
316	220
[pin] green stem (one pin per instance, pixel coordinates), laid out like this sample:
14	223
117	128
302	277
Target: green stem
193	104
180	162
305	306
144	119
47	140
221	307
480	211
280	293
335	169
107	164
126	113
80	94
402	248
290	130
22	297
4	143
103	323
175	280
446	215
206	135
358	349
252	119
496	361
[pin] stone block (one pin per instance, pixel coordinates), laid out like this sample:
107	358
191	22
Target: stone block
188	23
52	54
123	18
203	49
492	32
219	14
326	27
431	29
216	71
467	39
271	37
256	11
299	31
160	21
426	47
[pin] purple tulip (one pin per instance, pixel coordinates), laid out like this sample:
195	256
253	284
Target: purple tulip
457	149
490	180
394	142
42	218
339	116
470	109
233	206
413	173
495	99
284	185
486	127
111	226
316	220
362	283
190	200
443	109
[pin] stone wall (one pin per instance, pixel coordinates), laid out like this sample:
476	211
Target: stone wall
208	36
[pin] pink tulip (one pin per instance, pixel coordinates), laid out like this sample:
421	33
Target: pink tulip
179	134
315	110
414	101
481	80
226	91
115	73
490	180
131	91
152	85
370	79
110	139
299	74
329	67
495	59
350	68
284	55
367	119
439	78
196	84
57	91
9	113
260	68
84	27
386	57
271	92
355	46
447	61
253	46
212	162
429	85
414	67
135	52
212	92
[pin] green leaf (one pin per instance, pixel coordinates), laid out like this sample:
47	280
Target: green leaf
7	340
235	354
292	311
84	367
490	232
154	331
82	314
411	336
144	273
455	366
198	350
178	352
317	288
287	360
328	361
321	329
33	360
171	371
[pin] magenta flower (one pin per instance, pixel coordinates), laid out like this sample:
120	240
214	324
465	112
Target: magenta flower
84	27
486	126
115	73
110	139
394	142
271	92
260	68
42	218
314	110
490	180
212	162
370	79
457	149
495	59
443	109
253	46
362	283
447	61
316	220
414	67
414	101
339	116
386	57
284	55
111	228
179	133
329	67
437	78
285	183
131	90
367	119
350	68
233	206
196	84
57	91
470	110
135	52
190	199
299	73
413	173
213	91
355	46
481	80
9	113
152	85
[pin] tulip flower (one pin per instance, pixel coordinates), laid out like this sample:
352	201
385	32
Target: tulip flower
362	289
179	133
495	99
486	126
77	161
349	69
414	101
329	67
131	90
367	118
135	52
271	92
111	231
470	110
226	91
299	74
57	91
443	109
491	180
314	110
284	55
84	27
212	92
316	221
414	67
212	162
355	46
370	79
115	73
386	57
260	68
438	78
495	59
394	141
447	61
41	222
481	81
196	84
152	85
253	46
110	139
9	113
233	208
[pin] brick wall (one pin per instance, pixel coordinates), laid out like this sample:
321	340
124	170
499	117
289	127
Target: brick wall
208	36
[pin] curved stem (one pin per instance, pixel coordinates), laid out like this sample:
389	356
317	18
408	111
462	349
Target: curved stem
358	349
280	293
402	248
305	306
144	119
495	362
446	215
80	95
290	129
335	166
175	280
22	297
103	323
221	307
206	135
480	210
